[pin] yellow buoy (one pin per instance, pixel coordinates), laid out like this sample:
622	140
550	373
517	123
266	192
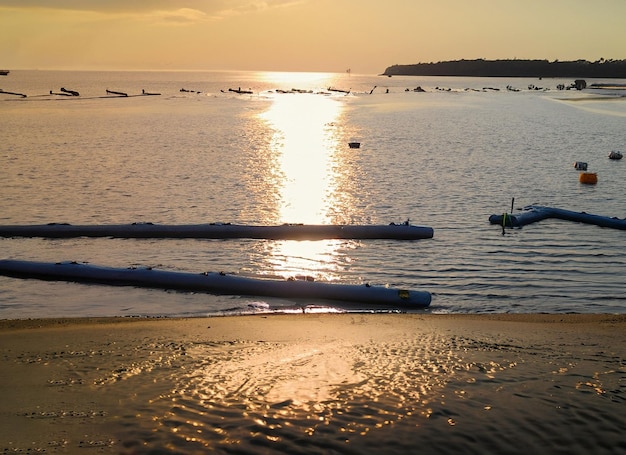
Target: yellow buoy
590	178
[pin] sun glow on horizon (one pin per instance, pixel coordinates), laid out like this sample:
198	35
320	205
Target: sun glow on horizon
300	35
295	78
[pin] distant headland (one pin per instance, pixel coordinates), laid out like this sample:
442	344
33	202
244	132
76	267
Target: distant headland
612	69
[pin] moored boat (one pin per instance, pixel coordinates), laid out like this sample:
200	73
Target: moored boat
240	91
615	155
115	92
338	90
12	93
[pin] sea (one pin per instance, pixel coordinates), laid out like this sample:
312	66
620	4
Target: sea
187	147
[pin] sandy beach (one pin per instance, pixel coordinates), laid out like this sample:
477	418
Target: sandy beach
315	383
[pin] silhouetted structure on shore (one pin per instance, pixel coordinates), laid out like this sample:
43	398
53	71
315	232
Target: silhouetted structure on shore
514	68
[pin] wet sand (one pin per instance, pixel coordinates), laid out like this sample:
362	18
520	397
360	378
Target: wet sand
315	383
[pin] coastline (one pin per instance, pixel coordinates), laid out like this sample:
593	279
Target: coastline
608	69
333	382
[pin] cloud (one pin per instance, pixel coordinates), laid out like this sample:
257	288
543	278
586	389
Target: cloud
178	17
103	6
206	7
161	12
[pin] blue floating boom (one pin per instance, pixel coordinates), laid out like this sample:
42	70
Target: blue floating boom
214	283
404	231
534	213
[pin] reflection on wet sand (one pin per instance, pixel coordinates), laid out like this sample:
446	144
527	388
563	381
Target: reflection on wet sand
316	384
382	392
279	392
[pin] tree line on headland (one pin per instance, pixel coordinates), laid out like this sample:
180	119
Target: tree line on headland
613	69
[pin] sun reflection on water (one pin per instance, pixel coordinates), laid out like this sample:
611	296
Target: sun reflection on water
307	170
304	146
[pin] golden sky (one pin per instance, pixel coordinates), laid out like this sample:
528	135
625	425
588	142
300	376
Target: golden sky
302	35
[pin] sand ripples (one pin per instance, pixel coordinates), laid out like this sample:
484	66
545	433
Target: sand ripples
387	384
438	389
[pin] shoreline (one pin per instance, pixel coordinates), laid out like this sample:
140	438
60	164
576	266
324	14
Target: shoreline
569	318
315	383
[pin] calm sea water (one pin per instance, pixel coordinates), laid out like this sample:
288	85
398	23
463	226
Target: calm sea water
447	158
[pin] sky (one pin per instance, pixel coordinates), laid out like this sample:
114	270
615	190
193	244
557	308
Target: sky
366	36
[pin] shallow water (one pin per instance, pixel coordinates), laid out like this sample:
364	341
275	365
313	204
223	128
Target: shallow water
315	384
444	158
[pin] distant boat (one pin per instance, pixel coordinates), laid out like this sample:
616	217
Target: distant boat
4	72
12	93
113	92
70	92
354	145
615	155
333	89
241	92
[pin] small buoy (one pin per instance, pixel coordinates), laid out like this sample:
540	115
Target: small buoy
580	166
354	145
590	178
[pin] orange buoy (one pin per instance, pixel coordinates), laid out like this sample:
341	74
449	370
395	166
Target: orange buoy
590	178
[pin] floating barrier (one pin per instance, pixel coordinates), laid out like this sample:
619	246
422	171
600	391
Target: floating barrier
214	283
393	231
534	213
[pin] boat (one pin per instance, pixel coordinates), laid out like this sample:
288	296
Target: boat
70	92
338	90
214	283
239	91
60	93
534	213
580	166
3	92
4	72
354	145
113	92
615	155
403	231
